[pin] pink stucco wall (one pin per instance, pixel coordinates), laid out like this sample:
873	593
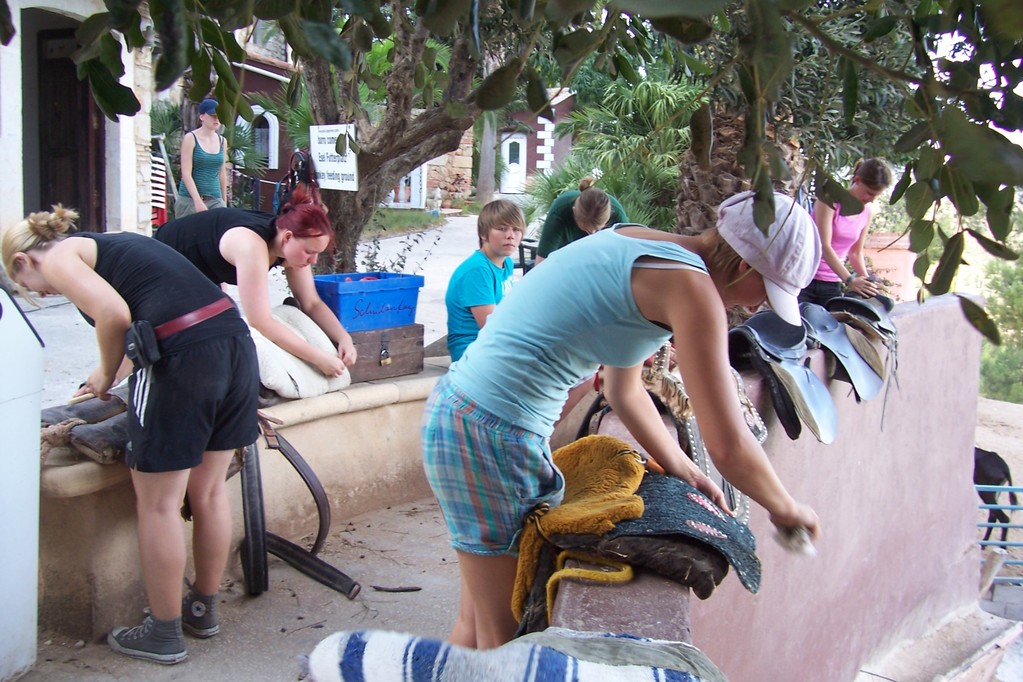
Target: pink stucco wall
898	509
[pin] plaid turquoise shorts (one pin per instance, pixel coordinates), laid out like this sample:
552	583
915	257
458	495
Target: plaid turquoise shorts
486	473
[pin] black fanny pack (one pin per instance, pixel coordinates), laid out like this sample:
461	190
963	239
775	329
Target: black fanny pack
140	344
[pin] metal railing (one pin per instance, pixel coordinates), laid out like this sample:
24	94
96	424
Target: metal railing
996	528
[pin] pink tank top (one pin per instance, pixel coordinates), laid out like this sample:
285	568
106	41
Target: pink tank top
845	230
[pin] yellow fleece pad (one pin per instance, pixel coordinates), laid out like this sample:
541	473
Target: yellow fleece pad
601	474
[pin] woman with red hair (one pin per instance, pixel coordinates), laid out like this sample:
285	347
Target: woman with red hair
236	246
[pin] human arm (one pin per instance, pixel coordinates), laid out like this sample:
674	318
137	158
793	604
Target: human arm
481	312
861	285
303	288
688	303
624	390
187	150
249	255
70	270
223	175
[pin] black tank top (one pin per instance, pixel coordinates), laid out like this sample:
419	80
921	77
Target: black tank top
159	284
197	237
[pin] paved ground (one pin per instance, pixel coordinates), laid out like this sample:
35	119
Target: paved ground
262	637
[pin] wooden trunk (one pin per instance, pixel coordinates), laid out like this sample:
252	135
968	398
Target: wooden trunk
389	352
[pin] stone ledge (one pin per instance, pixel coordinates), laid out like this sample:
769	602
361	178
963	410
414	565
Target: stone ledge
88	477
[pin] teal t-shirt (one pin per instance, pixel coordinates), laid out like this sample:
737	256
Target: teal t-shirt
560	228
569	315
476	282
205	171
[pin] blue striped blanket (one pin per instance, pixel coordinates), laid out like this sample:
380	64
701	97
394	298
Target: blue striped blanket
382	656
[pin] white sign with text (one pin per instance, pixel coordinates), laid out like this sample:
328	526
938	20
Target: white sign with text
333	171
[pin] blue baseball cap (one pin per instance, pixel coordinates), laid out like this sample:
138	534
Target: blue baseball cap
208	106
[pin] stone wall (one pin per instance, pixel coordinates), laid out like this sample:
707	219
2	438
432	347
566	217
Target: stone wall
450	176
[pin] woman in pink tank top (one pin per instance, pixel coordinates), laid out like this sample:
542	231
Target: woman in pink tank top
842	238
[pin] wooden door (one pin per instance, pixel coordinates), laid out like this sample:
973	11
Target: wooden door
71	139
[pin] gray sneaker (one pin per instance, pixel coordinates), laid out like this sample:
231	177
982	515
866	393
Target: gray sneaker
199	615
160	641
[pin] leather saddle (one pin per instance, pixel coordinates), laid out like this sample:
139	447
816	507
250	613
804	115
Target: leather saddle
825	331
875	337
775	349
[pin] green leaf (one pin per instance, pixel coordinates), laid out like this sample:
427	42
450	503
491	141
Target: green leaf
121	12
173	31
341	144
980	152
273	9
996	249
6	23
980	320
919	198
328	44
921	234
133	36
779	167
201	82
686	31
498	89
226	77
110	55
960	190
763	202
625	69
850	91
536	95
948	265
903	183
921	265
914	137
441	16
654	9
999	211
362	38
929	163
768	50
216	37
111	97
293	93
230	14
701	135
880	28
831	192
572	48
292	28
91	30
1005	17
561	11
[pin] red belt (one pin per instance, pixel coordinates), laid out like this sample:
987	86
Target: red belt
193	318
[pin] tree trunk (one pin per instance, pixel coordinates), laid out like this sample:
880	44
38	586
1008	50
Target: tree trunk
402	141
485	182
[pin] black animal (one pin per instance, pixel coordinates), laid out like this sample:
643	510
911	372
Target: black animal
990	469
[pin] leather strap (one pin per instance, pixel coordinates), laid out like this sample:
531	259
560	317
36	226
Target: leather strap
193	318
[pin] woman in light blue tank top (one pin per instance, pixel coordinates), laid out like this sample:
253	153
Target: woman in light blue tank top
611	299
203	171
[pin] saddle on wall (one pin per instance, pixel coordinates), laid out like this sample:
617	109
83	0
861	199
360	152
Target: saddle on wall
775	349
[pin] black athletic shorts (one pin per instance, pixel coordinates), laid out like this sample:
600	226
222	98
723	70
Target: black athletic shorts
203	397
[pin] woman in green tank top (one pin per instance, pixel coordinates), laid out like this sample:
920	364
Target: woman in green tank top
203	168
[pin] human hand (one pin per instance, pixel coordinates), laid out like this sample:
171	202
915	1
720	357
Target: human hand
98	383
346	351
329	364
200	206
864	287
798	516
708	487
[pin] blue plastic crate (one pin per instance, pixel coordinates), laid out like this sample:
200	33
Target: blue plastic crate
371	300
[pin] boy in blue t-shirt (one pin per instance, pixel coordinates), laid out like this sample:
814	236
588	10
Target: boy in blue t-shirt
481	281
